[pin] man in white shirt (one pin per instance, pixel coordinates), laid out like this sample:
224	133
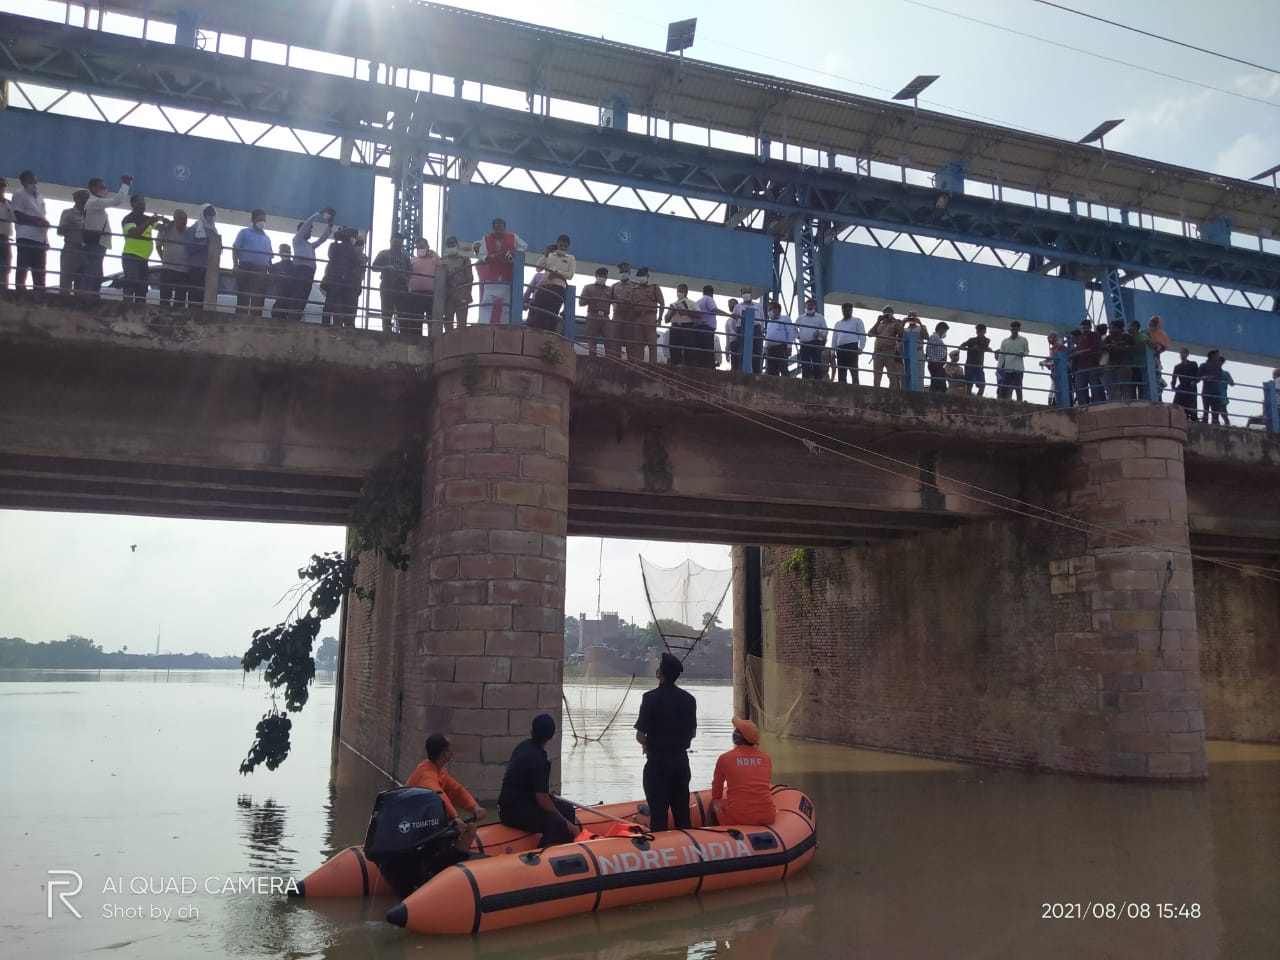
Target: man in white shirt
1010	363
560	266
303	274
97	229
32	232
703	353
779	334
811	330
848	339
936	358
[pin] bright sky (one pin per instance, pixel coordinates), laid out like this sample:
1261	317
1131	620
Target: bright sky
1019	63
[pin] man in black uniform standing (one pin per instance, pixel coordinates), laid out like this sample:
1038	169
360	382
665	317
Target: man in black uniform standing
667	723
525	800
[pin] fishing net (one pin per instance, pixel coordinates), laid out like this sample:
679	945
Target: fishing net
776	693
684	601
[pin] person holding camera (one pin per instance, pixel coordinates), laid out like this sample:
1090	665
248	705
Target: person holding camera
548	299
172	240
138	228
341	283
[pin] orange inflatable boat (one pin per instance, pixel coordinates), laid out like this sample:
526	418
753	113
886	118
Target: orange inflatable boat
352	874
520	887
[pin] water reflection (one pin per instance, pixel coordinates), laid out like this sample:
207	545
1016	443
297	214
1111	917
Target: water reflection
265	833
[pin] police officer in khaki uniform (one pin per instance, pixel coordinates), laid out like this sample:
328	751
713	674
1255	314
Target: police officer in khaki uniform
646	303
598	299
623	312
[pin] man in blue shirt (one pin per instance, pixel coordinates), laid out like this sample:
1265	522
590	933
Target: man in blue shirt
251	257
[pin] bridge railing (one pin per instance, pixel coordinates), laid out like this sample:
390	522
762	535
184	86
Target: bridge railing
371	305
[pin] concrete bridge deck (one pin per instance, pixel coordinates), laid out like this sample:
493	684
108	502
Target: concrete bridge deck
108	409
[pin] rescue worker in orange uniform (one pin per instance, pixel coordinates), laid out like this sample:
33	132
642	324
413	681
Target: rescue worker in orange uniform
743	778
430	773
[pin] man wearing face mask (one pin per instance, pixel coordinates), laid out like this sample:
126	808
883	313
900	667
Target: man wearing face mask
304	258
32	231
250	257
812	328
618	331
71	230
646	304
341	282
205	240
393	266
548	300
97	230
421	301
459	279
597	298
135	260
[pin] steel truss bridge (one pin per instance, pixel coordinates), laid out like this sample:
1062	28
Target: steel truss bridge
917	180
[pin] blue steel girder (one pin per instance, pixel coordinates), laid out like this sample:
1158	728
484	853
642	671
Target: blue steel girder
1113	298
783	189
807	241
93	62
104	64
407	163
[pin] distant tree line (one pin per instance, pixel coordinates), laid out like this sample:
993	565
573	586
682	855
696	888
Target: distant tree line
81	653
630	636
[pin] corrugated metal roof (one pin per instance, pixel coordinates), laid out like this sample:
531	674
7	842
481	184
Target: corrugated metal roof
496	51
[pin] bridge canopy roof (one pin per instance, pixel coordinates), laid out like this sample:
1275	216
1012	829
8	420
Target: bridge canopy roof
493	50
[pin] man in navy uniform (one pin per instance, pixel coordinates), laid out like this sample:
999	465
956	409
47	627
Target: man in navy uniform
667	724
526	801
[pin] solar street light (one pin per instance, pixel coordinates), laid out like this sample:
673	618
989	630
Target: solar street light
1269	172
680	35
1099	132
913	89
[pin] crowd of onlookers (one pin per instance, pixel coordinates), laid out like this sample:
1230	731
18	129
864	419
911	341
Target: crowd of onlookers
627	317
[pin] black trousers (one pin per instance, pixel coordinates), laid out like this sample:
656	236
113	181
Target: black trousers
811	367
938	375
545	308
778	355
680	345
704	348
666	791
536	820
736	345
847	361
31	259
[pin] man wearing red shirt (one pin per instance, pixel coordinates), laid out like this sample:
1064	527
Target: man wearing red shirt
497	252
430	773
742	783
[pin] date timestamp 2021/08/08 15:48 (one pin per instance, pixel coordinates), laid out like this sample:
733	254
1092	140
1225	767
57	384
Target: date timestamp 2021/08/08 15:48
1118	910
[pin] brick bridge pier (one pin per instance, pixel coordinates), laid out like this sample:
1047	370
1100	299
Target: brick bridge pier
1065	641
470	640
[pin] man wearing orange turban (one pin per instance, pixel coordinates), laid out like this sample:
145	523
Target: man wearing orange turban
742	783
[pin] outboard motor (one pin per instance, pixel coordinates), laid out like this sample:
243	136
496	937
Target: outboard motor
410	837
